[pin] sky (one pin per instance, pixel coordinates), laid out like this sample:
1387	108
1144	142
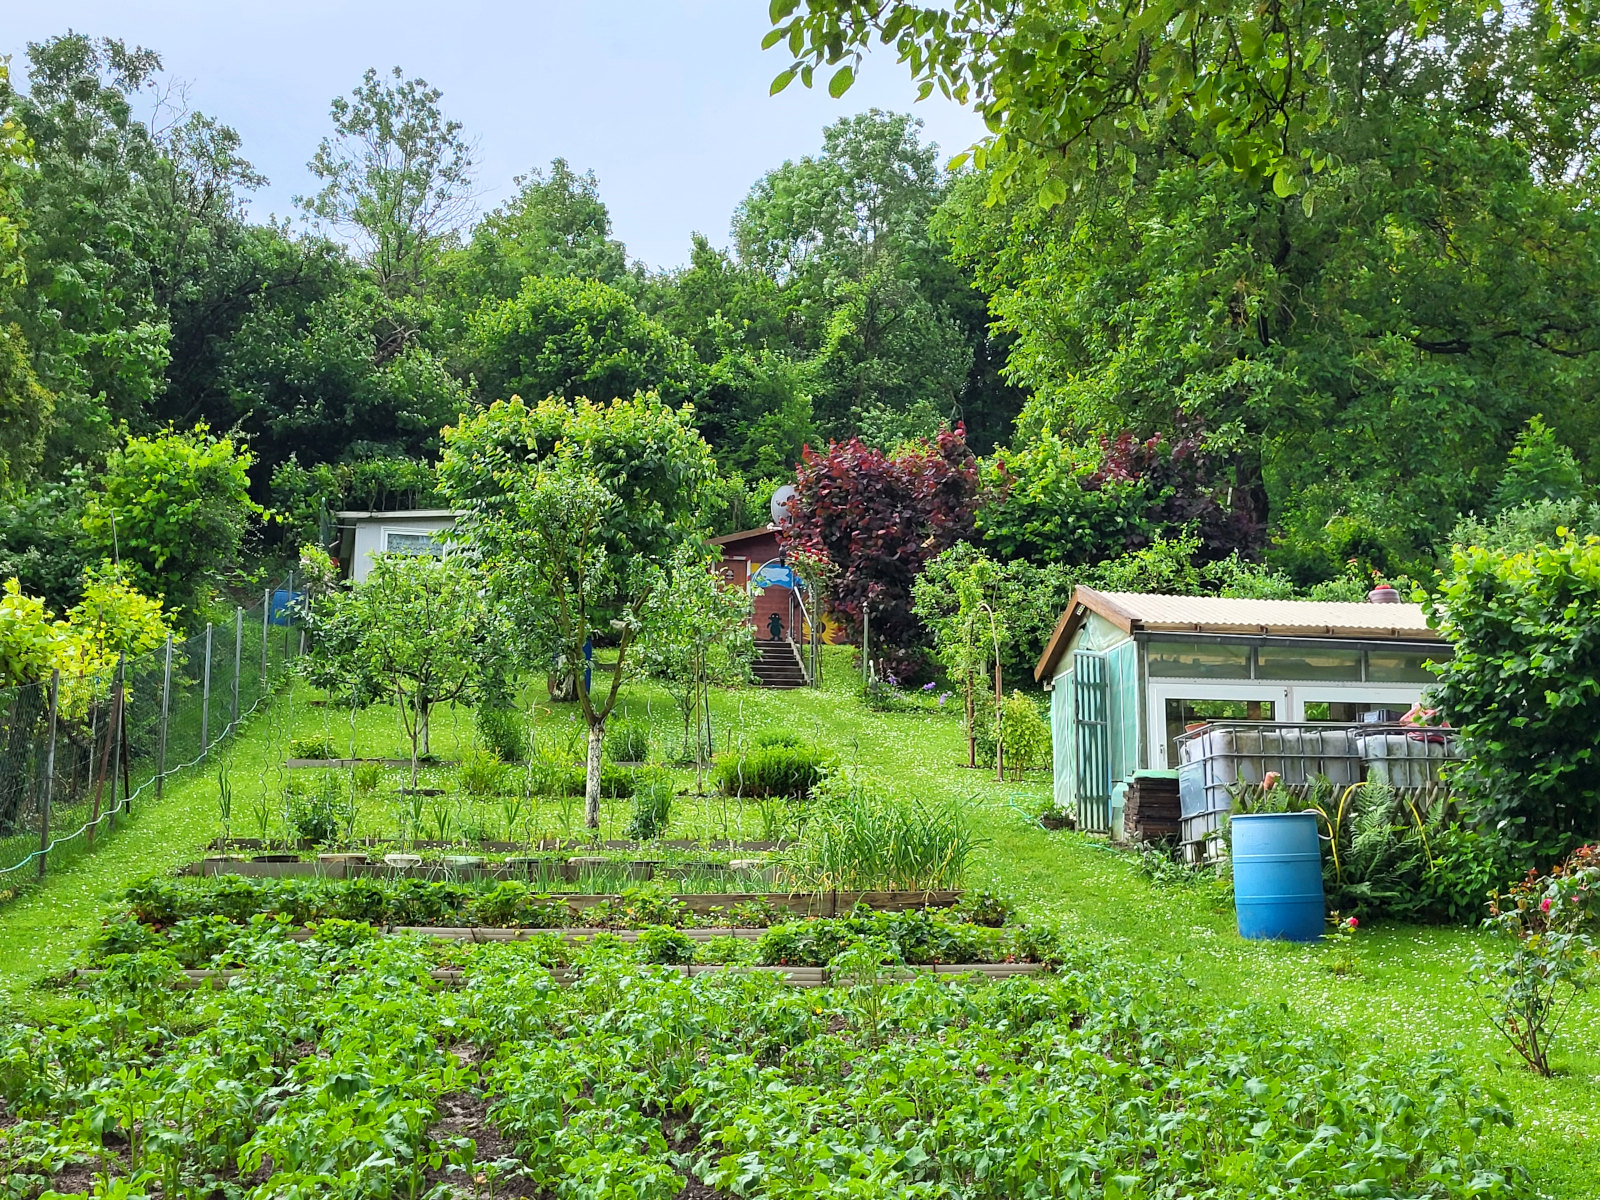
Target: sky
666	100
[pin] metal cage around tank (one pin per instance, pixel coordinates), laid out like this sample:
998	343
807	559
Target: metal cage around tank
1215	759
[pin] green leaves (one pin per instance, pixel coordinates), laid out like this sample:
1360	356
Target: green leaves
840	83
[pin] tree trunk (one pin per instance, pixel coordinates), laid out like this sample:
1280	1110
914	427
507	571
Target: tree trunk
591	781
972	732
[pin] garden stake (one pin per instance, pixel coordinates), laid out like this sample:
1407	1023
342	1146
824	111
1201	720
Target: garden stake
49	772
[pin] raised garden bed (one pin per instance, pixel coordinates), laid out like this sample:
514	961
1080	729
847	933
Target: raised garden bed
541	846
793	976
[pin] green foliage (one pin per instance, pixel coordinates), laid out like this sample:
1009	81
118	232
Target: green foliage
1024	735
770	771
415	631
627	741
1527	526
482	773
576	339
1553	924
1539	468
652	805
396	175
1521	688
859	839
315	746
174	511
503	730
665	945
318	810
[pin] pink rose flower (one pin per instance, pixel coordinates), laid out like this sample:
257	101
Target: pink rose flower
1352	923
1544	905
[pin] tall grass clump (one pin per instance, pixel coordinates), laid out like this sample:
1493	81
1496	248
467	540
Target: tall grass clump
627	742
859	839
776	770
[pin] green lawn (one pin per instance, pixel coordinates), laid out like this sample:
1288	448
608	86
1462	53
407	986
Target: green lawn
1408	996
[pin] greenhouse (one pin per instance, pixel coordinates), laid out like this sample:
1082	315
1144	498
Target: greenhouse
1182	697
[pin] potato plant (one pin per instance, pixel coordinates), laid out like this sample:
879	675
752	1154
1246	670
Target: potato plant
336	1067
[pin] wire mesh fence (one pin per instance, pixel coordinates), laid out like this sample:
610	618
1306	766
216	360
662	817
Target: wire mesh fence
77	753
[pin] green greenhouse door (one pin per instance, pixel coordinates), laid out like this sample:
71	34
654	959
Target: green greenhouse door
1091	743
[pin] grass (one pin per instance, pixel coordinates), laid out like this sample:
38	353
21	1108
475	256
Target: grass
1408	994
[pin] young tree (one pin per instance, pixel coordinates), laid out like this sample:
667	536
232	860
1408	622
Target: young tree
173	511
958	599
396	174
700	635
414	631
575	509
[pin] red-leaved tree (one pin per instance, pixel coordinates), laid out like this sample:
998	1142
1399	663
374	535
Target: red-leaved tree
878	519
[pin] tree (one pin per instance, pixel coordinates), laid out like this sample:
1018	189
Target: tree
700	635
957	598
1523	688
1359	373
574	338
173	510
397	176
1062	87
878	518
555	226
575	509
1539	468
412	631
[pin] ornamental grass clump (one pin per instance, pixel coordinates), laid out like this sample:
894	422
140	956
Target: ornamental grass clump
860	839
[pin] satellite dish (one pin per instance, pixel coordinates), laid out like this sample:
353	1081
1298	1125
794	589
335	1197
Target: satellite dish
780	502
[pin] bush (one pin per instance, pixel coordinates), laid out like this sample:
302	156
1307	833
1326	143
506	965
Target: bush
770	771
1521	688
503	730
665	945
482	773
627	741
777	737
1023	733
319	813
311	747
511	904
652	805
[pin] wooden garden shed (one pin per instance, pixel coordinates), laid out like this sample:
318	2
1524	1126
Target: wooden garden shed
1132	676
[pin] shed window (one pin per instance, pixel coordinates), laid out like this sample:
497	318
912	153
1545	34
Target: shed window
1395	666
1353	712
1198	660
1308	662
412	542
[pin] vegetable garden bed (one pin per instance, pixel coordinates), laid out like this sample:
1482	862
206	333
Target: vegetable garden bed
339	1067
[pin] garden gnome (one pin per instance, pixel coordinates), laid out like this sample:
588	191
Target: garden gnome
775	627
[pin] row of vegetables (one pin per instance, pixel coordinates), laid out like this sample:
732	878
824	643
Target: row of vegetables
331	1068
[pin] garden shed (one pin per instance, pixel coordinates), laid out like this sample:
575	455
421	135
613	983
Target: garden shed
1167	685
401	531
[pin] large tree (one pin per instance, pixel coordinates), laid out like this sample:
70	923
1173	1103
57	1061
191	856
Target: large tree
576	508
396	176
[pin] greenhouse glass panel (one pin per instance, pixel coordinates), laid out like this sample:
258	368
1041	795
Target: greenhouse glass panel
1308	662
1198	660
1402	666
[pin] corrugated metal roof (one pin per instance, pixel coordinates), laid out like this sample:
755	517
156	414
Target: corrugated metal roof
1220	614
397	514
1142	612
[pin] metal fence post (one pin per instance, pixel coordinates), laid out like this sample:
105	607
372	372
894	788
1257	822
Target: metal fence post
118	719
238	648
166	709
49	774
288	620
205	698
266	619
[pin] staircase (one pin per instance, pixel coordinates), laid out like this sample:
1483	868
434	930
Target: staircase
778	664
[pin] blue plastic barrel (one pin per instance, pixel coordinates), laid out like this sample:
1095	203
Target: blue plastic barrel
1277	876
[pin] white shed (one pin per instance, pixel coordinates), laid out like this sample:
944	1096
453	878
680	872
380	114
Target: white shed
405	531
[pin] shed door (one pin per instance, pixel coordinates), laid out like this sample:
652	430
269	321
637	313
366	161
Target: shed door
1091	744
